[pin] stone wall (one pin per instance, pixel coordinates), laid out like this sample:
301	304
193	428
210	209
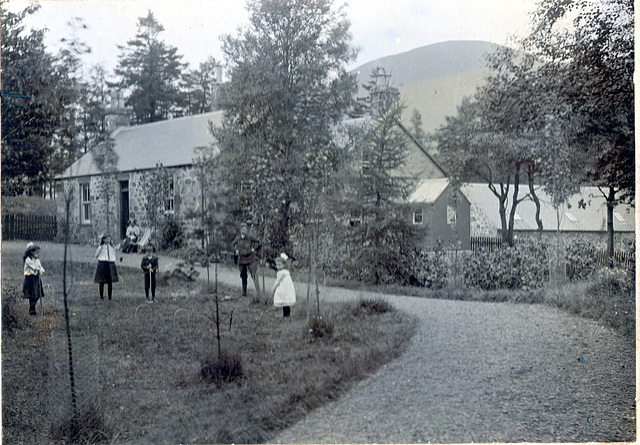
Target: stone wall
105	204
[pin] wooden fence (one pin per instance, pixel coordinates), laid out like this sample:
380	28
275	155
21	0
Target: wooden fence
489	243
29	227
621	258
625	259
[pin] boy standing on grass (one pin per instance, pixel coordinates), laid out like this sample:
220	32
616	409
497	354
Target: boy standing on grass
284	293
246	247
32	287
149	266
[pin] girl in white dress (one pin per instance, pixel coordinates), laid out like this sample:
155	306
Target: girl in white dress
284	294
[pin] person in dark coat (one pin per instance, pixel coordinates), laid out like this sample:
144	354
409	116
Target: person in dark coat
32	288
106	271
149	267
246	247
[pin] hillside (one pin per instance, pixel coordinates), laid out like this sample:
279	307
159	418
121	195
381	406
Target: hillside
433	79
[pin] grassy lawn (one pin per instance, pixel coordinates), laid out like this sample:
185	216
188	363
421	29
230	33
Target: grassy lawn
138	367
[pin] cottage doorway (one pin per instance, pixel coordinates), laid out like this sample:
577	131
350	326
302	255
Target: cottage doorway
124	207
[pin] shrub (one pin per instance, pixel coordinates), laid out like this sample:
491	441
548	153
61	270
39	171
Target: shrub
225	368
320	328
10	320
171	235
87	425
523	266
430	268
371	306
581	261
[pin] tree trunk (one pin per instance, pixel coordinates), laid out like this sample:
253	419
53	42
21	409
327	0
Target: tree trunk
610	240
535	199
514	203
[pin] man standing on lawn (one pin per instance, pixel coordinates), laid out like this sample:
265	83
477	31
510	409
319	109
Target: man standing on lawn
246	247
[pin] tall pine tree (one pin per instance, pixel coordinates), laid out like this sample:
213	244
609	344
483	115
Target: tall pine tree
152	71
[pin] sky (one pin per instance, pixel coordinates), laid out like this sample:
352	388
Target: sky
379	27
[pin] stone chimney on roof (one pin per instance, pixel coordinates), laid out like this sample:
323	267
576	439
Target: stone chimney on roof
116	114
215	85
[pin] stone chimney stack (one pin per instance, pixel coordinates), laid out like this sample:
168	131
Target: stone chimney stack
116	114
215	85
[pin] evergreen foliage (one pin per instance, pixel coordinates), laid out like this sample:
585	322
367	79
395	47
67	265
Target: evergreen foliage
152	70
38	89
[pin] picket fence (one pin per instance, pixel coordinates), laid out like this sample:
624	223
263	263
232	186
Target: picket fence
489	243
29	227
621	258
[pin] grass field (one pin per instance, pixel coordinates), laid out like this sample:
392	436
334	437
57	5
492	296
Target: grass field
138	368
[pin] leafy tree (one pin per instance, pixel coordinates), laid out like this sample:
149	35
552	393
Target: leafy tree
37	89
288	87
157	183
151	70
198	87
472	149
587	48
417	130
106	161
383	240
91	106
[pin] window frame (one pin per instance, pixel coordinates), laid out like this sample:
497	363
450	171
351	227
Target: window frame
85	203
420	218
169	199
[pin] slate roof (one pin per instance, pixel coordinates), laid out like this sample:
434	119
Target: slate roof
428	190
141	147
593	218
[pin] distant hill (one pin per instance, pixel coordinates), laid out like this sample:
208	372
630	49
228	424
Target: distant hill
433	79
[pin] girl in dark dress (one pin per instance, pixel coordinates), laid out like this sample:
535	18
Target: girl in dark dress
106	271
32	288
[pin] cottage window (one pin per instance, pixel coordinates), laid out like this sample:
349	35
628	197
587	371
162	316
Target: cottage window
85	204
169	199
417	216
451	215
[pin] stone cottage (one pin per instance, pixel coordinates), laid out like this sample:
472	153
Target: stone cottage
104	202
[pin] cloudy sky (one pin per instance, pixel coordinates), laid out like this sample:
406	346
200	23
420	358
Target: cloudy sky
379	28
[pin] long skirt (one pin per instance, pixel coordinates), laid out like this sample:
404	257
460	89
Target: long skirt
106	272
32	287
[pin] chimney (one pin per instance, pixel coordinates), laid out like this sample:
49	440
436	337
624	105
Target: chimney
215	85
116	114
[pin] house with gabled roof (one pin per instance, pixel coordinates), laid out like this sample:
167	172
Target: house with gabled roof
435	208
584	215
139	149
444	213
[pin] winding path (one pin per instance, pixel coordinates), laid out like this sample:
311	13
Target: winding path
474	372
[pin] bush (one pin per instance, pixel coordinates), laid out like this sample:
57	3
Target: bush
320	328
523	266
371	306
171	235
86	426
430	268
10	320
581	259
225	368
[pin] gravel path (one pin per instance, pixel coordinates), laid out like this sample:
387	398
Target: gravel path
485	372
474	372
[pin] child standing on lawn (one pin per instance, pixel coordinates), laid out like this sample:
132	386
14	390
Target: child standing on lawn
149	266
284	293
32	287
106	271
